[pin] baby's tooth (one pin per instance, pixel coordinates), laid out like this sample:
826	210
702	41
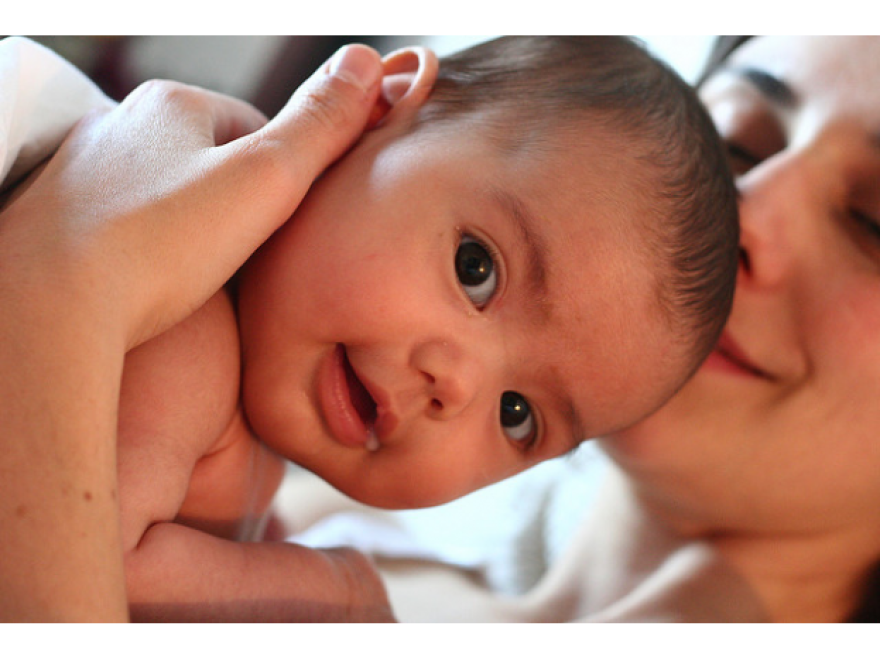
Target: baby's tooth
372	441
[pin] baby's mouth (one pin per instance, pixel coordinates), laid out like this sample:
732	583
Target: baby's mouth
361	401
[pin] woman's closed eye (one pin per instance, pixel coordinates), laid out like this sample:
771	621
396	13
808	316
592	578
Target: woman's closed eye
865	234
750	128
476	270
741	159
868	224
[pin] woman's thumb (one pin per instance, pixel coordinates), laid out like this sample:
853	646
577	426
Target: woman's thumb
265	175
329	111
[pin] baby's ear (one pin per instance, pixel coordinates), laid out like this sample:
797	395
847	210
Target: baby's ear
409	77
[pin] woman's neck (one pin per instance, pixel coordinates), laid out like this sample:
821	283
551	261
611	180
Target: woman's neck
626	564
801	578
812	575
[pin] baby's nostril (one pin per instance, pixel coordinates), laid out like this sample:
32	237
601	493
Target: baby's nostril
436	405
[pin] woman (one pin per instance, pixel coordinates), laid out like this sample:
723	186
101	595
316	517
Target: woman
107	213
772	451
753	494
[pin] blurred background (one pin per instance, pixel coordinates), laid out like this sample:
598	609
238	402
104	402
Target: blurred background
266	69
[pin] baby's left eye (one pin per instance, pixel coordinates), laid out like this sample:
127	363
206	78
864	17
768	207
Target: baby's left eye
517	419
476	271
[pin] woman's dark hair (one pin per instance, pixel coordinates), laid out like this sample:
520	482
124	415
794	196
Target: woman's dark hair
548	83
868	611
721	50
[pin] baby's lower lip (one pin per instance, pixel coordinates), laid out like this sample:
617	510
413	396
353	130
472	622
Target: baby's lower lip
343	401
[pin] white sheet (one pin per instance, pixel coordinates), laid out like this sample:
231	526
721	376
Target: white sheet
41	97
509	533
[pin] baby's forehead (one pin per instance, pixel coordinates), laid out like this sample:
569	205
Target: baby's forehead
610	364
534	131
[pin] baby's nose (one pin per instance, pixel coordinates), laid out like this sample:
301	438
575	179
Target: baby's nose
451	375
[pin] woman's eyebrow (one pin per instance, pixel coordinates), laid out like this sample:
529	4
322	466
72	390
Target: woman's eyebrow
774	89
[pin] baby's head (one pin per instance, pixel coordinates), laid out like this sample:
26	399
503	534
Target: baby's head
540	250
536	93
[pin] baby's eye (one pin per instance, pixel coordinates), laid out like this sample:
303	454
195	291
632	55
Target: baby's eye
516	418
476	271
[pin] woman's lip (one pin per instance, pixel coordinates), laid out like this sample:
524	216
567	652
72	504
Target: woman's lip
334	399
729	357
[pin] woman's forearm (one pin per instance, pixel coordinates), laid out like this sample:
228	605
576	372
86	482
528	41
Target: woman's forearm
59	519
142	214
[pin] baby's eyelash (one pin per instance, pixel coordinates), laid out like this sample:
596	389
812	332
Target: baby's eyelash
479	268
488	247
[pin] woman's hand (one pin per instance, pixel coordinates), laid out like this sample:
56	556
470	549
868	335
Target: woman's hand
145	211
157	202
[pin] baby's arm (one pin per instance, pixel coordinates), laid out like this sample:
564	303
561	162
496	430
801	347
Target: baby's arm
181	574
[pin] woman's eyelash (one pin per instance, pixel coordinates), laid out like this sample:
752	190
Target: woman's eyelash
738	152
867	223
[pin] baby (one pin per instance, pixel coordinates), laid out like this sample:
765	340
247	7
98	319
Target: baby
534	245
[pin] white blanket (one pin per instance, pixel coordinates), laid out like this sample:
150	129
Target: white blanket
41	97
509	534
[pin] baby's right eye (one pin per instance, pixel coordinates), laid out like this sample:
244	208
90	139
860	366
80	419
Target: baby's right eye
476	271
517	419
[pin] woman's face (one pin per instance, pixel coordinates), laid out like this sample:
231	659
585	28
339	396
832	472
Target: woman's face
780	428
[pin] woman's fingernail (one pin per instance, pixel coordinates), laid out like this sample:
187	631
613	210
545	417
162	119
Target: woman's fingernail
357	65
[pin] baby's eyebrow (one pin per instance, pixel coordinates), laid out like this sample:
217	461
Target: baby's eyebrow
537	256
533	242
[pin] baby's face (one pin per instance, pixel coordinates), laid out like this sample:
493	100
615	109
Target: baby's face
438	316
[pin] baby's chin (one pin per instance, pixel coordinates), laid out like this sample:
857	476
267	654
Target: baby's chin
382	495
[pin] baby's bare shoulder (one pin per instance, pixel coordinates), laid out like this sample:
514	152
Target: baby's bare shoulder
178	399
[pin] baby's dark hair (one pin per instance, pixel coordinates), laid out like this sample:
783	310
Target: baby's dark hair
553	82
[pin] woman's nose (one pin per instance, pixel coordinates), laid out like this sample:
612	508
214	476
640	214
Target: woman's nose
450	376
781	201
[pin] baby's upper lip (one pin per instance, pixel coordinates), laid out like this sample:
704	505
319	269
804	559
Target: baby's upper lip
386	421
